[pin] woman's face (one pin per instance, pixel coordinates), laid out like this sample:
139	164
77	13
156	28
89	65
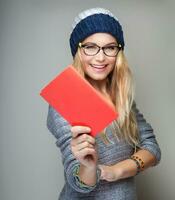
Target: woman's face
99	66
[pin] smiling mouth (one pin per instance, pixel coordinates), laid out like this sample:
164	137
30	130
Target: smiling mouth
98	66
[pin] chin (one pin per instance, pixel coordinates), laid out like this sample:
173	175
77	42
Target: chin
98	78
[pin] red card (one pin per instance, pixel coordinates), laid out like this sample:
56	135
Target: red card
78	102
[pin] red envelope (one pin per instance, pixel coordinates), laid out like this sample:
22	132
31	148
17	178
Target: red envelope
78	102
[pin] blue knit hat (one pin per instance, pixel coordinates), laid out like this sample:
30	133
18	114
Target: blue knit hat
95	20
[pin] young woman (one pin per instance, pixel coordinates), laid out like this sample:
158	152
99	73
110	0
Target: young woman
104	166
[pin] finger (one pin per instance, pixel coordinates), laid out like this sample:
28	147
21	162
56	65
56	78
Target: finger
86	151
83	138
101	167
78	148
76	130
84	145
86	138
102	172
101	178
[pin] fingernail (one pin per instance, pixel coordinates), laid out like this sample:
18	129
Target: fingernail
88	129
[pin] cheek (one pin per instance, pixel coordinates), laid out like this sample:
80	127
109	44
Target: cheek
112	61
86	61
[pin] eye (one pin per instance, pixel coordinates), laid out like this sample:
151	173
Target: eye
111	48
90	47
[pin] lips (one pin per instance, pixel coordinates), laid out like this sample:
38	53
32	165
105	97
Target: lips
99	66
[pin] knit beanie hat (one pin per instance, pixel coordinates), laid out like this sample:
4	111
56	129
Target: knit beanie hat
95	20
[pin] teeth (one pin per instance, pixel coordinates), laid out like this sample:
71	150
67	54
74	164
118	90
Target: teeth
99	66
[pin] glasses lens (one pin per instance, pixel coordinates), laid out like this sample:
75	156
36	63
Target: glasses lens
111	50
90	50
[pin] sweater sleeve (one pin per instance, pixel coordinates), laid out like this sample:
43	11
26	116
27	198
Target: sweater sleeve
147	137
60	128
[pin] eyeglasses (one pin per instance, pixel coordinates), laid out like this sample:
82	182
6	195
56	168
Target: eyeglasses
91	49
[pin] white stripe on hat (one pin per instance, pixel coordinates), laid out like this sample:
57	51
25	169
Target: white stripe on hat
90	12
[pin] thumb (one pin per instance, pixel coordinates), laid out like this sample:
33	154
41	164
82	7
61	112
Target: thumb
101	167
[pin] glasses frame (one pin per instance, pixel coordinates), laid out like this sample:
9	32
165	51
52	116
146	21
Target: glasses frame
80	45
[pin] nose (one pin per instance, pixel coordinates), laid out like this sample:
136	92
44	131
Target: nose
100	56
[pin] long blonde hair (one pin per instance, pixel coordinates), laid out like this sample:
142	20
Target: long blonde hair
121	89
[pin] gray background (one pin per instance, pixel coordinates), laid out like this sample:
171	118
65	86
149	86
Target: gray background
34	48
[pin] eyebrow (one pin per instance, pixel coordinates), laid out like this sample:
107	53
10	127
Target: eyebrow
92	43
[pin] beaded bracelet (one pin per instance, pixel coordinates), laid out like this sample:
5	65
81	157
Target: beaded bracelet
138	165
139	162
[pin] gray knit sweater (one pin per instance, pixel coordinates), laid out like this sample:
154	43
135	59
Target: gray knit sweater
110	154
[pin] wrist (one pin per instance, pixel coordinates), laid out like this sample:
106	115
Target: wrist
119	171
88	175
88	169
125	169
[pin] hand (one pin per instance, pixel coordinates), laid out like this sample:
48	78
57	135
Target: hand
110	173
83	146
